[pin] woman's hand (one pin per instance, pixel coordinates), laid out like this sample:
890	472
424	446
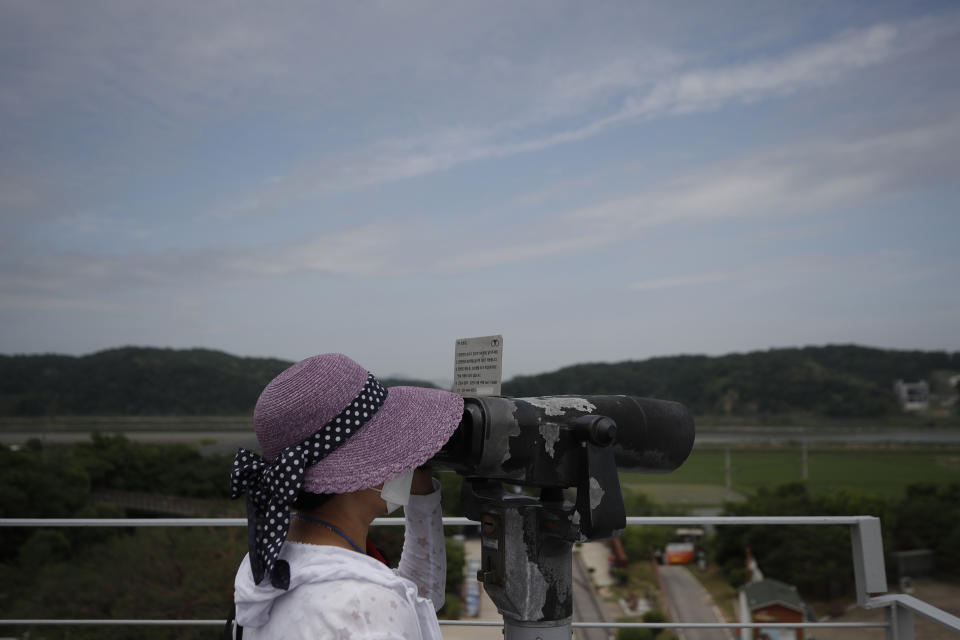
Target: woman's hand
422	482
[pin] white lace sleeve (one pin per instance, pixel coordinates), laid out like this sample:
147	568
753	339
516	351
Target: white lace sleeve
424	557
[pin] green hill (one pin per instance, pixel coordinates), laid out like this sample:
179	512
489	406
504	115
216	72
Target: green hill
840	381
134	381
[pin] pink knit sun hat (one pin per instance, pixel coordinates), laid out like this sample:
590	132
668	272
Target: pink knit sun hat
411	425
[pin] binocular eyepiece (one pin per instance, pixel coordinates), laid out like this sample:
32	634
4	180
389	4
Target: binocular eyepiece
543	441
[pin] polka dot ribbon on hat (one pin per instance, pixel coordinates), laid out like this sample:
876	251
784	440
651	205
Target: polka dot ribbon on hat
272	486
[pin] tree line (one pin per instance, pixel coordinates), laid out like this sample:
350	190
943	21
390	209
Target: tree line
125	573
837	381
818	559
137	381
130	573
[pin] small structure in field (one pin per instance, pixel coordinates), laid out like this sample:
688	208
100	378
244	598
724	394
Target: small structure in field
769	600
913	396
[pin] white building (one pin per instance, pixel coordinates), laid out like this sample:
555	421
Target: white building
913	396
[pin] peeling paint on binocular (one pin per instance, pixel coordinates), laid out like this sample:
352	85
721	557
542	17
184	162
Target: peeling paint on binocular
541	441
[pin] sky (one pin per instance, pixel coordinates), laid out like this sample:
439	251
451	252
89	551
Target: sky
595	181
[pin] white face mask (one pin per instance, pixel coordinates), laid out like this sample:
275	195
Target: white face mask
396	492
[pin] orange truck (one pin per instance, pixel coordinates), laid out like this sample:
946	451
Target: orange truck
679	553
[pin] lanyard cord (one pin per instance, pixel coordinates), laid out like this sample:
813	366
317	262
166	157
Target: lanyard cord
328	526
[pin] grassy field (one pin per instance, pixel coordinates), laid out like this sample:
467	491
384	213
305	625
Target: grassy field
883	470
895	421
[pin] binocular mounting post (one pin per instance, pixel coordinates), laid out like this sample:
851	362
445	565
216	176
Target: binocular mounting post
526	541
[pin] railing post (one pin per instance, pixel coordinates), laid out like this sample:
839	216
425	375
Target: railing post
900	619
868	566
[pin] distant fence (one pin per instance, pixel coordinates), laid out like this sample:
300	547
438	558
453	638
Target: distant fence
153	503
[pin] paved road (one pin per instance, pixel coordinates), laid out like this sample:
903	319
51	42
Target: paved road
688	601
586	603
488	610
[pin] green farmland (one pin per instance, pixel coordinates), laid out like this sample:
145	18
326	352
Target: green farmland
881	470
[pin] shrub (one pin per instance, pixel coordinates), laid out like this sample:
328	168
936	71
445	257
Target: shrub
451	607
635	634
44	545
654	615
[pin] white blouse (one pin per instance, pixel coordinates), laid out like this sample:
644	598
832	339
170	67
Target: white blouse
339	593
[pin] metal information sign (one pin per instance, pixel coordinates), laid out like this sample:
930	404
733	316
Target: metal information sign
478	366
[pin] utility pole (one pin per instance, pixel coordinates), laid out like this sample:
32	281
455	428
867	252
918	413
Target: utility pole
728	472
803	457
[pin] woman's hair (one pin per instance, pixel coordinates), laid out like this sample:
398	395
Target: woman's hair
306	500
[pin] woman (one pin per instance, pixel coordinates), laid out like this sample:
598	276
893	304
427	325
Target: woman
340	450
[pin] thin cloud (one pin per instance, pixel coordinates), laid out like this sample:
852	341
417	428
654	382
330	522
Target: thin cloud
814	177
48	302
815	65
56	281
862	268
673	282
548	245
693	91
363	251
817	177
185	64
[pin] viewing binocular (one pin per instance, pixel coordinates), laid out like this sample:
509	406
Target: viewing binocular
545	441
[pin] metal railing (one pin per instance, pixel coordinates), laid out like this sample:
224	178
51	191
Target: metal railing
868	565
